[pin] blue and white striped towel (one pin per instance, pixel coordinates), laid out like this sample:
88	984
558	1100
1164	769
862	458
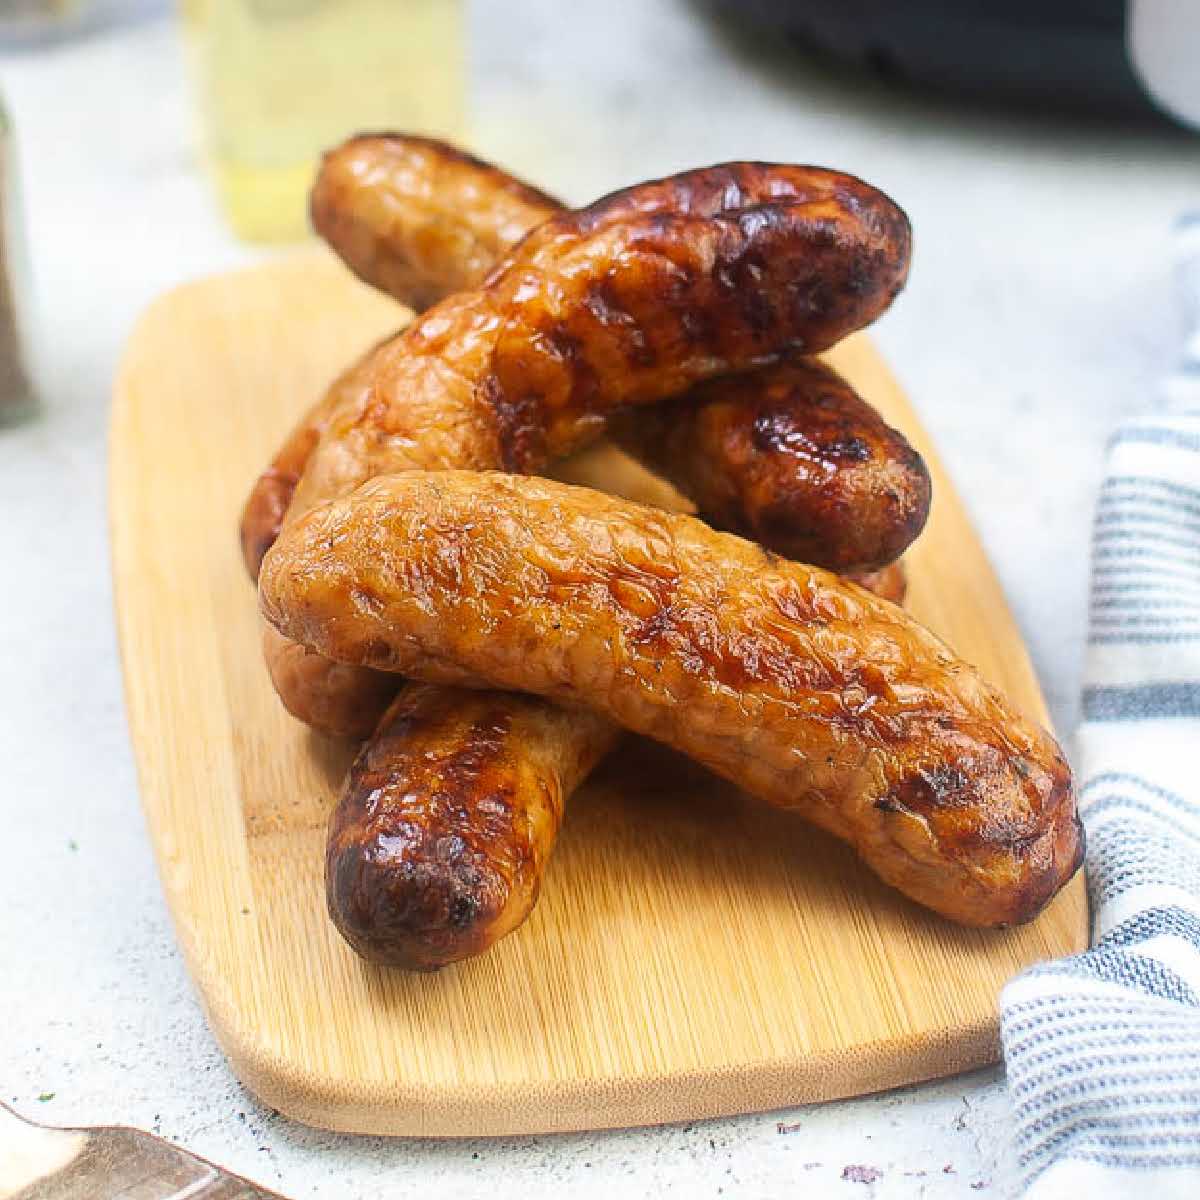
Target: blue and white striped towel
1103	1050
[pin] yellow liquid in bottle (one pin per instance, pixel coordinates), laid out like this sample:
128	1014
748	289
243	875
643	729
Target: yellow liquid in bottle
283	80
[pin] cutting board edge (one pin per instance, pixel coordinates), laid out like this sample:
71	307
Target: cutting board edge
409	1110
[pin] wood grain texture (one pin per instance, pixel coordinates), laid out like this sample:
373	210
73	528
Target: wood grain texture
693	953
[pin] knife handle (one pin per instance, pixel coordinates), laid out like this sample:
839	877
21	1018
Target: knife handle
107	1163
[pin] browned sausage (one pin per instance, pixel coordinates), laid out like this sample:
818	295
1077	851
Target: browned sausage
420	219
621	303
439	842
805	690
790	457
624	302
417	218
334	698
269	499
415	875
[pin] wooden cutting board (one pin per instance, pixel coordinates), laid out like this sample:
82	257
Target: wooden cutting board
693	953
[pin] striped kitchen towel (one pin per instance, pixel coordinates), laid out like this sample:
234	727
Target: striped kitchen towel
1103	1049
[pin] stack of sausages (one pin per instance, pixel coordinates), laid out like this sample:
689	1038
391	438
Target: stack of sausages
489	632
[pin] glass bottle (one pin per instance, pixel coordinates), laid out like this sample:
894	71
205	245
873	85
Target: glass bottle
17	398
282	80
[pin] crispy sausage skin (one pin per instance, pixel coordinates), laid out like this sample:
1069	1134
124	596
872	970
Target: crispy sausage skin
848	493
269	499
419	219
805	690
629	301
348	699
792	458
345	701
622	303
416	217
439	841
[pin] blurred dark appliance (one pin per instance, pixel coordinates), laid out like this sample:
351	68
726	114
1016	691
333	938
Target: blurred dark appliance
1105	56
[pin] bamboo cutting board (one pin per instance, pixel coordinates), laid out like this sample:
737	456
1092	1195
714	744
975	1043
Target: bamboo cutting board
693	954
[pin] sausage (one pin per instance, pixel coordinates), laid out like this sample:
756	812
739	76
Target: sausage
805	690
625	302
848	494
439	842
792	458
420	219
332	697
417	218
269	499
430	862
352	702
347	702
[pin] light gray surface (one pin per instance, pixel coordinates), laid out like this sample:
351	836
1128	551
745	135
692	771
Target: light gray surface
1038	312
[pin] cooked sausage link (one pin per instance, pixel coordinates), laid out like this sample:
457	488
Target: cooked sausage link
267	505
334	698
808	692
418	218
351	708
617	304
439	842
648	291
437	220
625	302
792	458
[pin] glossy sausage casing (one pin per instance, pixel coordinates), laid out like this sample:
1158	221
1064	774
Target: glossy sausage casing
792	458
418	218
408	247
625	302
805	690
267	505
439	841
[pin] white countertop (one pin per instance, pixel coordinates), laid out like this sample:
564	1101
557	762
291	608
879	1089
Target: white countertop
1038	313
